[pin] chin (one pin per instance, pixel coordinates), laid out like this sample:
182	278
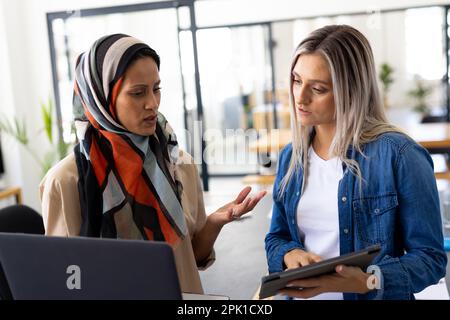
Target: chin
145	132
149	132
305	122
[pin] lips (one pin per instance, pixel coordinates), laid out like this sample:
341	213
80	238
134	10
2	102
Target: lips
303	112
150	118
150	121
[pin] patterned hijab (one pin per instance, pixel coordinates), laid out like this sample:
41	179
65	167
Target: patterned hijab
128	183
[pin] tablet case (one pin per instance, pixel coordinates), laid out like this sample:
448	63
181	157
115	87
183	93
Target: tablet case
271	284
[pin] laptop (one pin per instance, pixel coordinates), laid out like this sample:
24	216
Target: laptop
48	268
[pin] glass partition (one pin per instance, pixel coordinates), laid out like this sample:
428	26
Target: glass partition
236	78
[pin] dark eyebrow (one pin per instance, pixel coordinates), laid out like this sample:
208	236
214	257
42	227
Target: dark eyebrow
311	80
140	85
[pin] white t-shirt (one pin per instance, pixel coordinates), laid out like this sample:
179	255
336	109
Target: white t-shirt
317	211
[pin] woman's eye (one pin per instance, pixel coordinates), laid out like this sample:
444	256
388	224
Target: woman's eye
157	89
137	93
318	90
297	81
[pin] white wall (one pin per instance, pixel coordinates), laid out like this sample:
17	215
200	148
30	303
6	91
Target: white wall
13	172
283	34
20	95
26	71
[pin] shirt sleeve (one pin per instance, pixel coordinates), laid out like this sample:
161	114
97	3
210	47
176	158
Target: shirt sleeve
60	200
195	214
421	227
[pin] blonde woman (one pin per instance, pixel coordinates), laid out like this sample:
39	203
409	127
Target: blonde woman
350	179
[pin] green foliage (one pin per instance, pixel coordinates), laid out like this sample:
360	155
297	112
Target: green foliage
47	118
420	94
385	76
17	130
63	148
49	160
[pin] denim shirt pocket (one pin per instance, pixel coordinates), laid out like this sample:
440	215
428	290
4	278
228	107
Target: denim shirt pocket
375	218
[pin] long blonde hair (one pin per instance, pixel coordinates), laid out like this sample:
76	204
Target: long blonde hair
360	116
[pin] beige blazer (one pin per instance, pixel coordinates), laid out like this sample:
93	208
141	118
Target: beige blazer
62	214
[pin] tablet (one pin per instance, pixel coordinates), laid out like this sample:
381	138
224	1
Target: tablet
271	284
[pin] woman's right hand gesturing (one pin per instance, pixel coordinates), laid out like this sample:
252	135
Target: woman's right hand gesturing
300	258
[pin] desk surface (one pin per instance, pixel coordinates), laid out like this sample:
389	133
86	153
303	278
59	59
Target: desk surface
429	135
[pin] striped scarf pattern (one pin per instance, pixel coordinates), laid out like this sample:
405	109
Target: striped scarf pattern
116	167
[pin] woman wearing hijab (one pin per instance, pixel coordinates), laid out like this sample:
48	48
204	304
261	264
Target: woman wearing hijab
127	178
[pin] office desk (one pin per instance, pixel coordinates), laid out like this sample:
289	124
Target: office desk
431	135
435	137
11	191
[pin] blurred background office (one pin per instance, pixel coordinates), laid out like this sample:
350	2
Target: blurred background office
224	71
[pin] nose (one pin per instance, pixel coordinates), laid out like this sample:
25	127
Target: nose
152	102
302	97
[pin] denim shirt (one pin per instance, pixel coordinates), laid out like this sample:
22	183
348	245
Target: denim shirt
397	208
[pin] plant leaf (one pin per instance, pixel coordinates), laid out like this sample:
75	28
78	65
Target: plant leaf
63	148
48	161
15	128
47	117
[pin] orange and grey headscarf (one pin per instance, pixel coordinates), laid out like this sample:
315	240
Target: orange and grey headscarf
117	168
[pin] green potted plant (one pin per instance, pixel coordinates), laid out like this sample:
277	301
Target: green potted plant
16	129
385	76
420	93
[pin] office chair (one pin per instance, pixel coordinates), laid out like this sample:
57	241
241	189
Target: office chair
21	219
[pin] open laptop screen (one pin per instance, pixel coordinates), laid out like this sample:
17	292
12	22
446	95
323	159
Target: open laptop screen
40	267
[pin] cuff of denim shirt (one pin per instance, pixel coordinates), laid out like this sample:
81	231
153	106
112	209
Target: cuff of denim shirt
395	282
281	252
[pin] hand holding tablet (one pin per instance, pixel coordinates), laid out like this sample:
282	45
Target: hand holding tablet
271	284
